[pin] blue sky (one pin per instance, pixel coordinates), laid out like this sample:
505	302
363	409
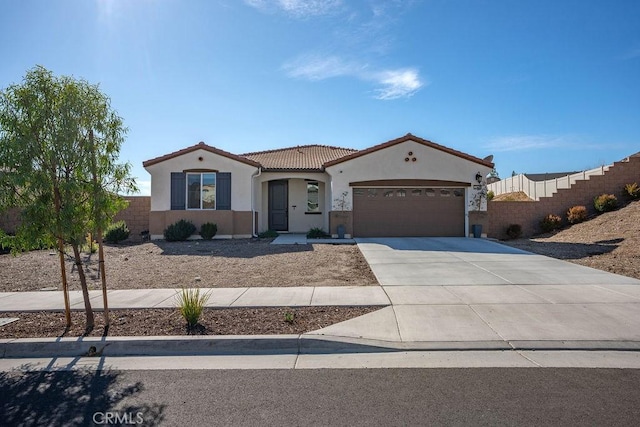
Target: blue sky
543	85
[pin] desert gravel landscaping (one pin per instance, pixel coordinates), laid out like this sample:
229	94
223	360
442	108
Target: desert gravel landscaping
608	242
198	263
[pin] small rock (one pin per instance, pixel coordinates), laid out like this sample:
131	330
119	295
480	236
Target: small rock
198	279
126	258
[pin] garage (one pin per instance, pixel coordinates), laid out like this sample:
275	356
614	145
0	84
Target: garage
409	211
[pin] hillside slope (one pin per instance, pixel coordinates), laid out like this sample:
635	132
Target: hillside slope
609	242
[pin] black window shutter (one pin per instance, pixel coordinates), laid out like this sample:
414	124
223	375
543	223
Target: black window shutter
223	191
178	191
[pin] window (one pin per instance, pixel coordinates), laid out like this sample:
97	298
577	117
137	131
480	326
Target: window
416	192
313	204
445	193
201	191
401	193
388	193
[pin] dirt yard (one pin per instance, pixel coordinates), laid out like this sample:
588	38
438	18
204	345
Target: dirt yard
608	242
163	322
217	263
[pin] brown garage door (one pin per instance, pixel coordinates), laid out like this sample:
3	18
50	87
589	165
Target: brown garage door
406	212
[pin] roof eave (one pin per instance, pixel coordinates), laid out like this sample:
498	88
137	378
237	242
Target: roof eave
200	146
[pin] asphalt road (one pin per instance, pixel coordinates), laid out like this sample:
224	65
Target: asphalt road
323	397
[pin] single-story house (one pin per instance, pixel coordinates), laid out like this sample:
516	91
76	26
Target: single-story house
408	186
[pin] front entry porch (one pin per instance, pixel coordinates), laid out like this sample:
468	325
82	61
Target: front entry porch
292	204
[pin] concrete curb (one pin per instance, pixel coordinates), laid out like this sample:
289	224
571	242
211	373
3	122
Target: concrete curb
267	345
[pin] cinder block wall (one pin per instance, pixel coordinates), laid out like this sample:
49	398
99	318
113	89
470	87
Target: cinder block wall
529	214
136	215
10	220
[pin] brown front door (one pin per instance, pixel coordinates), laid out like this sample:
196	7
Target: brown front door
408	212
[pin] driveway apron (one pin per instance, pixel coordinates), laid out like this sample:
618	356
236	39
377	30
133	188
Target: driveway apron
477	293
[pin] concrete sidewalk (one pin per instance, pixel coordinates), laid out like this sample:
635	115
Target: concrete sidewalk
220	298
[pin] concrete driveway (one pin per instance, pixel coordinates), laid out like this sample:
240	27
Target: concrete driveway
476	293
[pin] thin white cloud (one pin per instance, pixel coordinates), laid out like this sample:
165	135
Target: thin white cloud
538	142
297	8
396	84
390	83
527	142
318	67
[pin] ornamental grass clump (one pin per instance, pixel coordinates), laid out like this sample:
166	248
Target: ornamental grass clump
191	302
632	190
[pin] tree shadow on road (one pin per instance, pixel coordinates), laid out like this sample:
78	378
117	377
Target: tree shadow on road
78	397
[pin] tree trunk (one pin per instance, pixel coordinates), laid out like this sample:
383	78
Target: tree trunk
103	278
83	285
97	207
63	269
65	286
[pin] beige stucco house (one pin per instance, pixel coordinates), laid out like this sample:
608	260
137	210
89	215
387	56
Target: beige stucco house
408	186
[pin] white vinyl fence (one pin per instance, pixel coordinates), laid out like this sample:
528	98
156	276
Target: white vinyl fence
537	189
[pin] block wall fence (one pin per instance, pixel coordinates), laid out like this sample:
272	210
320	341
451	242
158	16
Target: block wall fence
528	214
136	215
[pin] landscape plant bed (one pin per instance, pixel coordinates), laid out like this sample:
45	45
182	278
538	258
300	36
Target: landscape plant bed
168	321
217	263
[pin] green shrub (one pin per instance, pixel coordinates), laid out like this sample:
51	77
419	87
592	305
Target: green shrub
268	234
490	195
179	231
116	232
550	222
208	230
191	303
605	203
317	233
632	190
514	231
577	214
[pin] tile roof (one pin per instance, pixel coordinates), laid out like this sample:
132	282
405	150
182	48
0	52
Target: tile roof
303	157
310	157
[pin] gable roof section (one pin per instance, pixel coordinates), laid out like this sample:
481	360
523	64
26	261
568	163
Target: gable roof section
410	137
300	158
310	157
200	146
